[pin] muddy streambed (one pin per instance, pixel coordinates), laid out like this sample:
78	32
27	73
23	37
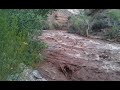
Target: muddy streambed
70	57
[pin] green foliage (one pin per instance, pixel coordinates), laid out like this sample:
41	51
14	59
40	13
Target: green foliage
113	33
16	39
106	23
57	26
46	25
79	24
114	14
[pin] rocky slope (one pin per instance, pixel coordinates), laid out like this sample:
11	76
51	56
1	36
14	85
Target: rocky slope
59	19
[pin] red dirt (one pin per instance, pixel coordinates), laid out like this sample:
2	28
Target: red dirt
70	57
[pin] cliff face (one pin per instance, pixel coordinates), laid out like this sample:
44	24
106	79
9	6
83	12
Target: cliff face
59	19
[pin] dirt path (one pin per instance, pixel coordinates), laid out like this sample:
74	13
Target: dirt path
71	57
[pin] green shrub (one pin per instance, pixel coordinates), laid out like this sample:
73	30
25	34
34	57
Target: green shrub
57	26
114	14
16	39
46	25
79	24
108	20
113	33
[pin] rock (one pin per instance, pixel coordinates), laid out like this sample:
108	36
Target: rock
27	74
31	78
36	74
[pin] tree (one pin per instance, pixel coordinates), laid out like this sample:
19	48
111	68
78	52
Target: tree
16	42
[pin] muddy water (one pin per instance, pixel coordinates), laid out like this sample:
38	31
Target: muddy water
75	58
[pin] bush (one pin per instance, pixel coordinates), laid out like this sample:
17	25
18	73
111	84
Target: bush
46	25
113	33
79	24
106	19
105	23
16	39
58	26
114	14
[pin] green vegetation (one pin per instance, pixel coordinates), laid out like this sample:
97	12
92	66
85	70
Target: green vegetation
17	28
79	24
114	14
114	31
108	20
